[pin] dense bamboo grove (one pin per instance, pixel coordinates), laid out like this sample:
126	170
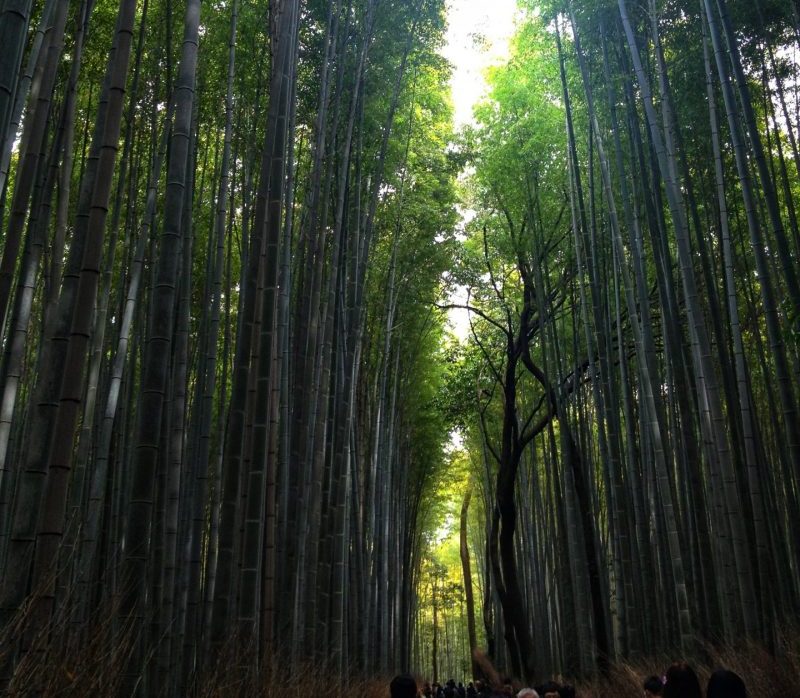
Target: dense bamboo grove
219	264
229	235
632	374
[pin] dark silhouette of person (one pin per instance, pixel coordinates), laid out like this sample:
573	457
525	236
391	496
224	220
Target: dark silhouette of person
682	682
653	686
726	684
403	686
550	689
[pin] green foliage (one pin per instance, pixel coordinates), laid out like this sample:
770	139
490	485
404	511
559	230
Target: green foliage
440	586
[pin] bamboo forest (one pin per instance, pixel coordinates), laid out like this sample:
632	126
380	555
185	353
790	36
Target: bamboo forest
306	383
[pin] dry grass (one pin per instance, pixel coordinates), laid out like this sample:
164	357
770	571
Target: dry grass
766	675
94	668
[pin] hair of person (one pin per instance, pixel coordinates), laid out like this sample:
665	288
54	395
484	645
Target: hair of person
654	685
403	686
682	682
726	684
527	693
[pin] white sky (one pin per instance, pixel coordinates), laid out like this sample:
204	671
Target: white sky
477	37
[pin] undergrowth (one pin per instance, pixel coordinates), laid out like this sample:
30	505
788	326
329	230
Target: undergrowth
94	668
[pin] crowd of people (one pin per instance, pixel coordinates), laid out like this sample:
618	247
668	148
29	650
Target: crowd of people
405	686
679	681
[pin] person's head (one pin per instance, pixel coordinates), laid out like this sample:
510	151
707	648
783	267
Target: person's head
403	686
653	686
726	684
527	693
681	682
550	689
